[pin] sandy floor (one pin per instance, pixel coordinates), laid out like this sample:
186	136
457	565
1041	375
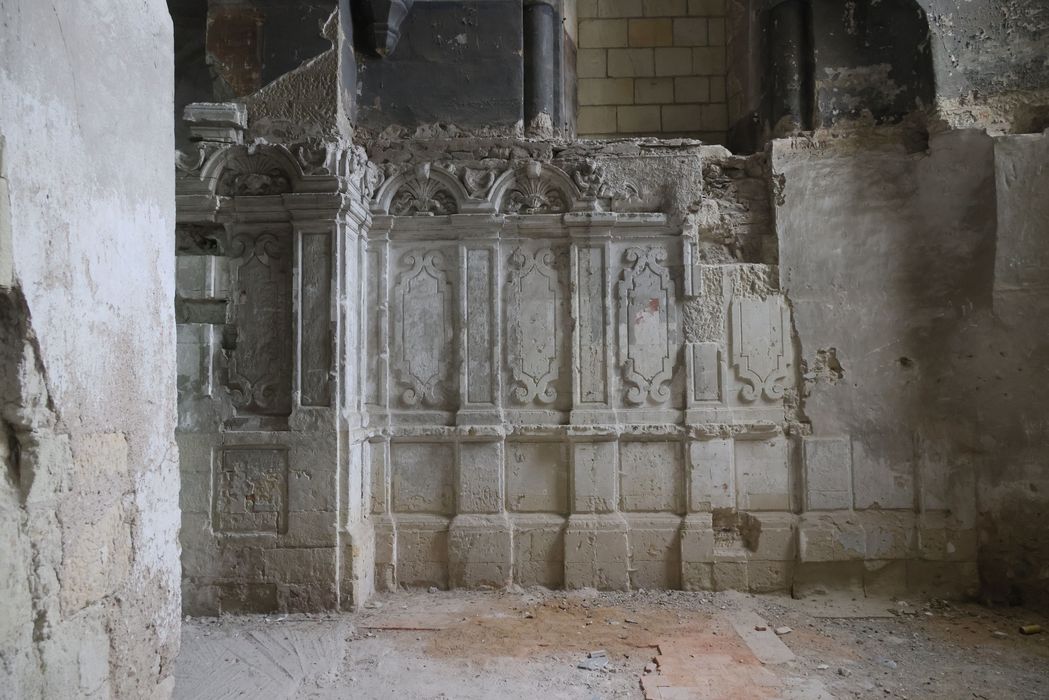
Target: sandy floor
659	645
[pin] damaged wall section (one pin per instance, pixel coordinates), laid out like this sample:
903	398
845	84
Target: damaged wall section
909	267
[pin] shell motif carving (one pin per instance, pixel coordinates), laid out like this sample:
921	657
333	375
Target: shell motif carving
531	193
422	195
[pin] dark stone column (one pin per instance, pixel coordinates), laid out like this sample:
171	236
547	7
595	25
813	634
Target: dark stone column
541	28
790	64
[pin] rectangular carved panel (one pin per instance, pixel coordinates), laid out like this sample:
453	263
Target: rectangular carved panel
537	477
592	368
535	325
479	326
423	477
652	476
424	329
260	367
647	325
375	324
250	492
705	372
316	339
760	347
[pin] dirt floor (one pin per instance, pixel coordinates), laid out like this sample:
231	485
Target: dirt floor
657	645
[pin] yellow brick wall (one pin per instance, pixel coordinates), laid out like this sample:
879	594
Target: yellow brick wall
652	67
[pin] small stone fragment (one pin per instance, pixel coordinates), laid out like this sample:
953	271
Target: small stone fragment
594	661
760	628
997	634
822	667
783	630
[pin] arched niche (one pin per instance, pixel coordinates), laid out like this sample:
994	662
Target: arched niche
534	188
425	190
252	171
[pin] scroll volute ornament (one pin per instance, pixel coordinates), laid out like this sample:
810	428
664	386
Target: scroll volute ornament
382	21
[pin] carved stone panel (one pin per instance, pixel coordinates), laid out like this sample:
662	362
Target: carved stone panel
760	345
652	477
424	329
480	324
591	325
647	326
534	319
704	364
537	477
423	476
375	327
250	492
261	362
316	338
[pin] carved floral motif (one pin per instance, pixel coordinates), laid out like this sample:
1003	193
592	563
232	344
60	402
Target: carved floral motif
478	182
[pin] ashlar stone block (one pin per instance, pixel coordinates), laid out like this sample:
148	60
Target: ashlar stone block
594	477
828	473
597	552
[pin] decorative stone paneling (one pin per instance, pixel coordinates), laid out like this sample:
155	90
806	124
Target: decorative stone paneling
535	324
647	326
760	347
423	329
260	367
251	491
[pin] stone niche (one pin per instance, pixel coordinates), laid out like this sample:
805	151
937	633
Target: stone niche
538	409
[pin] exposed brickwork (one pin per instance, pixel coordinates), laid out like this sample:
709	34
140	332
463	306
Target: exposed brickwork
654	67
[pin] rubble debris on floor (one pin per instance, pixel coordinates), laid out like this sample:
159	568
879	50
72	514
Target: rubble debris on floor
664	645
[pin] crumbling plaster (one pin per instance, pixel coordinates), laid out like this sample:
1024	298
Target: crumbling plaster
91	590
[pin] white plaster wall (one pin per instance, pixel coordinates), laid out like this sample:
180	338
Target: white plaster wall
85	115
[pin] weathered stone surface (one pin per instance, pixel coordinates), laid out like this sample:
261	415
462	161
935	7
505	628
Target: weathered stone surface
89	590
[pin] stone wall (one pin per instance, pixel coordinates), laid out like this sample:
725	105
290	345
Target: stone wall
652	67
911	303
89	600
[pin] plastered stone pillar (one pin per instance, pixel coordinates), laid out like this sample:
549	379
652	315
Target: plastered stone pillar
597	552
480	538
